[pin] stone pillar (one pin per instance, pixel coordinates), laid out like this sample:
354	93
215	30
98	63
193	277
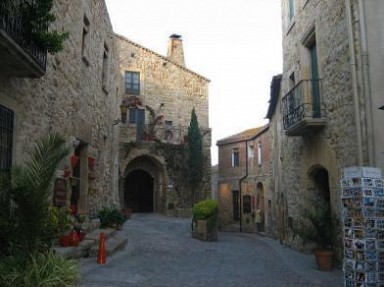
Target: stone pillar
175	49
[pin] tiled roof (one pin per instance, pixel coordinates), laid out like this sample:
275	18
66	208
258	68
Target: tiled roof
161	56
243	136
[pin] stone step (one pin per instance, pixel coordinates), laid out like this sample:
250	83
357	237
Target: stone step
95	234
90	245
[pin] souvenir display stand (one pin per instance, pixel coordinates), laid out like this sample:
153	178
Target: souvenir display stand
363	227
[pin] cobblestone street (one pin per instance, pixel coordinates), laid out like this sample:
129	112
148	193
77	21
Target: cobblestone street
161	252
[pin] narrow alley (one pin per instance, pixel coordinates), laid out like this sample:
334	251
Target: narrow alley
161	252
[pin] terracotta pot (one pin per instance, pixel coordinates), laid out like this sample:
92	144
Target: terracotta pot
324	259
74	239
74	161
127	212
91	162
64	240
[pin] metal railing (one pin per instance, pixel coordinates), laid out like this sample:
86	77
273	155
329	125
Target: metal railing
15	18
159	133
303	101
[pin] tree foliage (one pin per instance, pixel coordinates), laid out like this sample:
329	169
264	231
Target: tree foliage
24	197
195	153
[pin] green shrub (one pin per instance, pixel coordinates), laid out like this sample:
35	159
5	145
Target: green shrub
110	217
39	270
58	223
205	209
25	197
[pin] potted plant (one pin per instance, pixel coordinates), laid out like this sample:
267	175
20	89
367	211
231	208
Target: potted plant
204	220
60	222
315	225
111	217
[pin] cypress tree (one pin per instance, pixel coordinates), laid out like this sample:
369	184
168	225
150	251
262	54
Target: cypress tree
195	154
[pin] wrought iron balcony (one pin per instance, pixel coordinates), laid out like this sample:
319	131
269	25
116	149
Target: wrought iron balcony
175	135
302	108
20	55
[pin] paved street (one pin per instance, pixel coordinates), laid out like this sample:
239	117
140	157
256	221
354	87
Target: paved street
161	252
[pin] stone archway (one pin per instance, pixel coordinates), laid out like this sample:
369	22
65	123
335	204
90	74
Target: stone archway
142	185
139	191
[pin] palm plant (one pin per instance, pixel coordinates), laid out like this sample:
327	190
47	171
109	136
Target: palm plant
25	194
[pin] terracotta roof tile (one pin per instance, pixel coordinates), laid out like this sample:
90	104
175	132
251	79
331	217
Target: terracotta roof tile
243	136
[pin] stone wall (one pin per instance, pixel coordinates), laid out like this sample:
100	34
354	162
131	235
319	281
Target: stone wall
172	91
70	99
255	181
335	146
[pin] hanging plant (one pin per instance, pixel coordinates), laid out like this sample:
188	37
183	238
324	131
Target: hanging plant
38	16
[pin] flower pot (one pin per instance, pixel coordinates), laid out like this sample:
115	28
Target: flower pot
64	240
324	259
74	161
74	239
91	162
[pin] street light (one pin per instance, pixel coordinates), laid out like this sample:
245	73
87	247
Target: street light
381	108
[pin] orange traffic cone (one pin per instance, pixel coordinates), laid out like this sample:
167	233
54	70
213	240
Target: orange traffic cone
101	256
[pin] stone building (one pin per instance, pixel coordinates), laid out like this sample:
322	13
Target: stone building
329	101
73	92
158	94
244	193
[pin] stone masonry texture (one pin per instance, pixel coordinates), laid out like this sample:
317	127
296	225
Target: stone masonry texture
172	91
71	99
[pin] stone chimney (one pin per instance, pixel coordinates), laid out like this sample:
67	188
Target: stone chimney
175	49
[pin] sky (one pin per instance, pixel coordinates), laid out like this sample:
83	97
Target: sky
234	43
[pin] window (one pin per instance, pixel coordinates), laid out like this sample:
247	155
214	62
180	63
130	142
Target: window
168	125
85	41
247	204
251	152
132	83
136	116
105	71
291	9
6	138
259	154
235	157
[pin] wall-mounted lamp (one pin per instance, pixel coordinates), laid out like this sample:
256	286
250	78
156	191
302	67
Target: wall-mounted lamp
381	108
75	143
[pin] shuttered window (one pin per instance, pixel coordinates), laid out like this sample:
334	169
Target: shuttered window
6	138
132	83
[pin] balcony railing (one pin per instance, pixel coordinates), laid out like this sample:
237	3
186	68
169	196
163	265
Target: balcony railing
17	40
175	135
302	108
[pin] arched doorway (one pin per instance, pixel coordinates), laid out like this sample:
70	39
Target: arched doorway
320	183
138	191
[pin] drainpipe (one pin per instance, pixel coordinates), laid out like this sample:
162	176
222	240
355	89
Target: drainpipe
240	182
366	86
352	53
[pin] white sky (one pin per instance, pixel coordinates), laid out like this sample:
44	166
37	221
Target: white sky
234	43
